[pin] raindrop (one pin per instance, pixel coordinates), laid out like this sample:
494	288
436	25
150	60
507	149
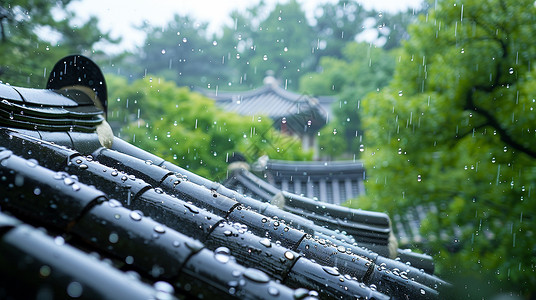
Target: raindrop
463	51
114	203
493	160
400	93
59	240
176	244
74	289
256	275
361	148
68	181
289	255
264	220
423	292
227	232
341	249
113	238
285	49
114	173
158	190
135	215
511	71
222	254
83	166
163	286
334	131
184	40
32	163
44	271
272	291
76	187
117	216
265	57
159	229
163	51
301	293
419	178
284	120
505	149
265	242
214	43
37	191
129	260
331	271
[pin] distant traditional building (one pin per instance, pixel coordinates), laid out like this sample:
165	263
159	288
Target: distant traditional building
301	187
331	182
295	114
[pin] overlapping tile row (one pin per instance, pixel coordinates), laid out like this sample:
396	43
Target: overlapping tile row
320	244
271	245
88	219
370	229
35	265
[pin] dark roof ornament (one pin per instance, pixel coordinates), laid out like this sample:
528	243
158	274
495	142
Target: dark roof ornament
77	73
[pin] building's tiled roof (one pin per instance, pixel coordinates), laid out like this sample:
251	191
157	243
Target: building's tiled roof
300	112
370	229
329	181
98	222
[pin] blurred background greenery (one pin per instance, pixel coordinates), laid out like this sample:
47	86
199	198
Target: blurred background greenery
440	107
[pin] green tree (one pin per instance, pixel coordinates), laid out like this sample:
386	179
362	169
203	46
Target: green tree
281	42
337	24
363	68
182	52
188	129
457	128
26	55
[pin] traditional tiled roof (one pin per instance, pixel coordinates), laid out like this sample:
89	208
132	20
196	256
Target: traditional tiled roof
98	222
329	181
370	229
299	112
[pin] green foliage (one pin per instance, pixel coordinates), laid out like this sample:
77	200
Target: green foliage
457	127
364	68
338	24
261	40
26	53
181	52
188	129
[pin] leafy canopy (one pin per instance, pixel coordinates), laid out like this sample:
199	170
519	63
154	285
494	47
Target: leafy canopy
457	128
188	129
